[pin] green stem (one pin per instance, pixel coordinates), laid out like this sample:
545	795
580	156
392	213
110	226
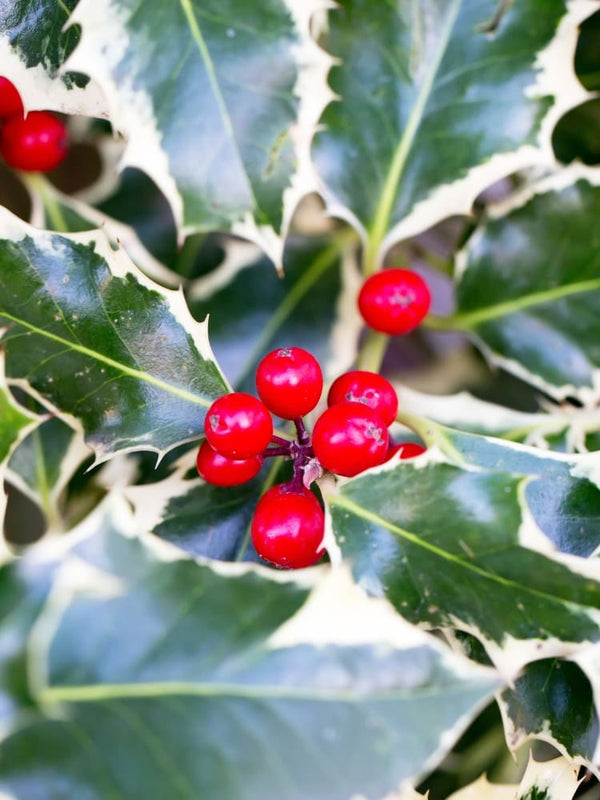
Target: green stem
372	351
38	184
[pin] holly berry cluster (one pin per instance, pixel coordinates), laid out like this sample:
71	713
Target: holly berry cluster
351	435
36	142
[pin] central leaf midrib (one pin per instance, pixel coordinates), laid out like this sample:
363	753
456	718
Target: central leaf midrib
508	583
218	95
379	226
131	372
88	693
470	319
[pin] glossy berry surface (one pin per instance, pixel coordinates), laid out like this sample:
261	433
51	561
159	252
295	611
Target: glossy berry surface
349	438
35	143
287	528
394	301
289	381
406	450
219	470
238	425
10	99
370	388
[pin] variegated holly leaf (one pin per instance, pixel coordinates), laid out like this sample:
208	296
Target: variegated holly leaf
214	103
34	43
24	587
466	412
154	675
107	348
528	286
562	492
552	700
547	780
434	102
15	424
253	310
44	462
456	545
54	210
201	519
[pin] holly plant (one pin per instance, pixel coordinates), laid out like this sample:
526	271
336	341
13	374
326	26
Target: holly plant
300	399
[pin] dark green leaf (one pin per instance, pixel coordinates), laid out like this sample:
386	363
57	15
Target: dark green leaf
428	92
449	548
553	699
101	343
257	311
205	92
530	288
35	31
177	680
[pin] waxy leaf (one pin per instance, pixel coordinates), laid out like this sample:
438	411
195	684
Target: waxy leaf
44	462
253	310
15	423
98	341
203	520
543	780
529	286
237	683
435	101
206	94
451	548
35	40
552	700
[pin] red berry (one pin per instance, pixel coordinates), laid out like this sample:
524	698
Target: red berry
35	143
370	388
349	438
287	528
394	301
406	450
222	471
10	99
238	425
289	381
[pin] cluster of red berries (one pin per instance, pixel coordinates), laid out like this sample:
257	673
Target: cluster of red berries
351	435
36	142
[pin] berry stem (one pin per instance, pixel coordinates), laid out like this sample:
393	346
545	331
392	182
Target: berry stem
303	434
372	351
281	441
276	451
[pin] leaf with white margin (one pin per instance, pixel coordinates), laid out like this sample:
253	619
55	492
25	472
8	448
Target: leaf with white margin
109	350
562	494
553	700
528	285
436	101
466	412
254	311
15	423
156	675
549	780
33	47
44	462
588	661
453	547
51	209
203	520
217	104
543	780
